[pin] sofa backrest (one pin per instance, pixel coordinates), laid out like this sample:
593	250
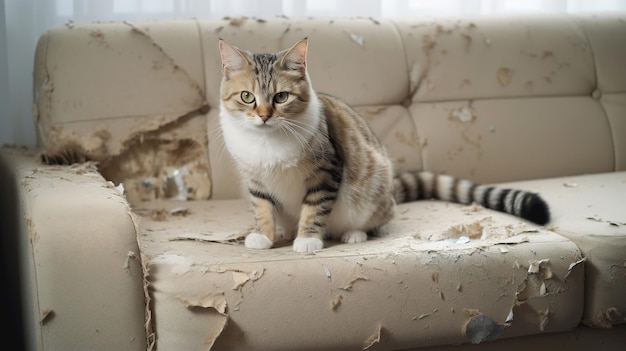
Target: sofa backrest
492	99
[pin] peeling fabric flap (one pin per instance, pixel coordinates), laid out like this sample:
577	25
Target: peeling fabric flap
216	301
374	338
213	301
220	237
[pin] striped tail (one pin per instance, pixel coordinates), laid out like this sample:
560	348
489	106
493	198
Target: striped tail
411	186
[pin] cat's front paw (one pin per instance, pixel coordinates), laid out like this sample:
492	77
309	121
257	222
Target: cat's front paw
307	244
258	241
354	236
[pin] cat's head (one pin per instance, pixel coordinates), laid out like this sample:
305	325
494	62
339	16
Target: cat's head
265	91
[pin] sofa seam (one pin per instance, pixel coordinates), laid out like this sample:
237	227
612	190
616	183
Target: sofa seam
409	97
26	214
25	203
206	94
203	61
577	22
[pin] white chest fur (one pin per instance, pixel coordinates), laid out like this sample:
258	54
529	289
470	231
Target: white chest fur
259	150
287	186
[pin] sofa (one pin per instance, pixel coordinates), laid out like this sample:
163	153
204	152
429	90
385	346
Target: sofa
127	221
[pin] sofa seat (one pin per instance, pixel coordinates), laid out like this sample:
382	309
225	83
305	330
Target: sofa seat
437	268
577	203
420	283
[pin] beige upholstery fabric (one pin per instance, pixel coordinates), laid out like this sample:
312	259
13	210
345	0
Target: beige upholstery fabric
80	258
417	285
450	68
495	99
584	210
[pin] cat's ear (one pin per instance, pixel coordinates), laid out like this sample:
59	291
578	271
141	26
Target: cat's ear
295	58
233	60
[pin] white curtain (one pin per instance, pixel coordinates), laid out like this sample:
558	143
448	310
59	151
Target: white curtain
23	21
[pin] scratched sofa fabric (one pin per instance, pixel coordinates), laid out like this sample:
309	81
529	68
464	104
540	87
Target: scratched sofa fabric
131	226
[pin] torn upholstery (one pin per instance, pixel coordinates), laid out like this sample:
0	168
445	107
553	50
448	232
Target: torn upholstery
138	246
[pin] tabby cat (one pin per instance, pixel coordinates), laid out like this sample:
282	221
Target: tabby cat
312	165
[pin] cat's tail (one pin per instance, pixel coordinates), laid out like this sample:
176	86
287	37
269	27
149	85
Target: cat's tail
411	186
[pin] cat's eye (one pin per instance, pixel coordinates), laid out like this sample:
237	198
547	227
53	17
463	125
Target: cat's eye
281	97
247	97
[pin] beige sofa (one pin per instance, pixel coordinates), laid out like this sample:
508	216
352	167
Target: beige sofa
138	245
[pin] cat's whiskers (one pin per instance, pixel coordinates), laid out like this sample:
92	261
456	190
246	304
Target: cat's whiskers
313	135
304	140
216	139
306	129
284	128
196	142
240	123
310	135
288	129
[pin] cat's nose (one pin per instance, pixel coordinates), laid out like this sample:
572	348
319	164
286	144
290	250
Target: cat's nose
265	112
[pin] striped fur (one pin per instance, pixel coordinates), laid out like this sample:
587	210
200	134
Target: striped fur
312	166
419	185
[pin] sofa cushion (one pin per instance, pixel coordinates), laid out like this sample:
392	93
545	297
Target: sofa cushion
117	79
589	210
520	138
441	274
504	56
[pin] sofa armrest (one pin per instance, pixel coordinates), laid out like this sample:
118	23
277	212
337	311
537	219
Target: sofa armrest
80	268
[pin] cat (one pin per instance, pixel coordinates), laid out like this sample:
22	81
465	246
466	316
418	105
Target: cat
313	167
